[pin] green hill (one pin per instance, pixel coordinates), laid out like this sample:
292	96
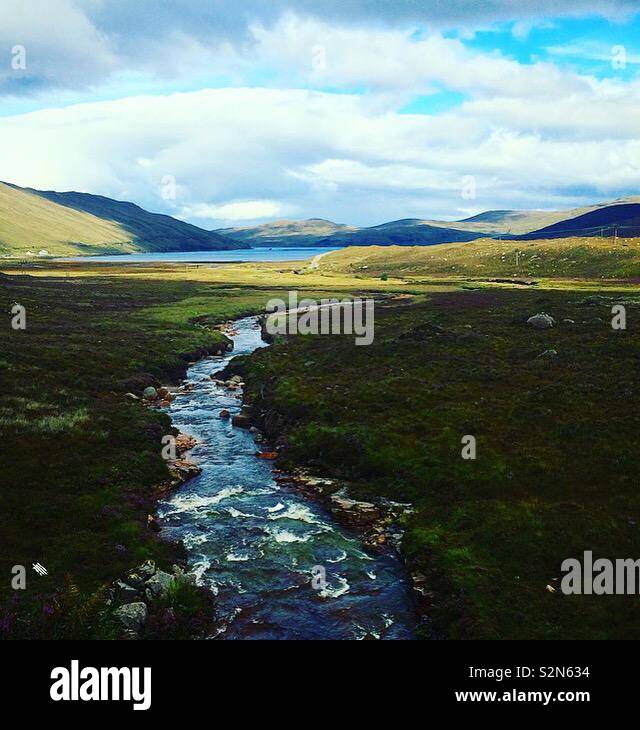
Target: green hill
286	233
69	224
605	258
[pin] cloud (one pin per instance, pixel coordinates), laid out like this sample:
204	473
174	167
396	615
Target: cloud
244	210
240	153
318	54
63	47
76	44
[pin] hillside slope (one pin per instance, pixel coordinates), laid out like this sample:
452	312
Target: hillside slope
409	232
600	258
603	221
286	233
67	224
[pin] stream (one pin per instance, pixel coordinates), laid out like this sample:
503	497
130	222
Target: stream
255	543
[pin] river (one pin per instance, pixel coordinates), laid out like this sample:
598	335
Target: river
255	543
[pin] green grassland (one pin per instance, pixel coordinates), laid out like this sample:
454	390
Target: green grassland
572	258
80	463
557	467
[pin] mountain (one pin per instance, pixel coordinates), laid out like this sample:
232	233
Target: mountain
622	218
588	221
408	232
286	233
69	224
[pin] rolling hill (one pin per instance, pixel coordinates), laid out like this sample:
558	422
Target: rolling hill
70	224
286	233
595	220
593	257
408	232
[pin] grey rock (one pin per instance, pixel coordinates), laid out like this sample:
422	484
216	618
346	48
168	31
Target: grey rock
541	321
353	512
125	593
147	569
138	577
158	585
150	393
132	616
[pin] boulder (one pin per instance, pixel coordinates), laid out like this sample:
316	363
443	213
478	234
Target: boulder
158	585
150	393
138	577
541	321
241	421
132	396
132	616
184	470
124	593
353	512
225	414
184	442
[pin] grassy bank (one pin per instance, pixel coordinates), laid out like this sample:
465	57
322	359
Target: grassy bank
557	436
573	258
80	463
557	466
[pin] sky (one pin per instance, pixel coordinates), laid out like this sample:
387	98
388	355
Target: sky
237	112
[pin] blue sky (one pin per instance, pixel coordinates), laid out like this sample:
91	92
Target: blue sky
359	111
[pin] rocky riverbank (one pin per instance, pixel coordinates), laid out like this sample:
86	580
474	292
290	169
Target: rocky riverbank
147	602
377	523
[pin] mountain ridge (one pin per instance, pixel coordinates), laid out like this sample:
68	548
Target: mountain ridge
72	223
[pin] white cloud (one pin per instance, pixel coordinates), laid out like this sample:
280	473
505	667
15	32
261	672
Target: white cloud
317	53
245	210
240	153
79	43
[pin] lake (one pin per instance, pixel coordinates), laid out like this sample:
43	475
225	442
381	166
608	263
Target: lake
249	254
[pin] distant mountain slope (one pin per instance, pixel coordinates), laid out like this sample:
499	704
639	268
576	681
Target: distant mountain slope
286	233
65	224
603	221
503	222
408	232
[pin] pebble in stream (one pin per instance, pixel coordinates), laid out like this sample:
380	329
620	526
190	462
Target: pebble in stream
256	543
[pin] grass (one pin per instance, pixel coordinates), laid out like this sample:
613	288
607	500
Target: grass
31	223
573	258
80	463
76	224
558	447
558	440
